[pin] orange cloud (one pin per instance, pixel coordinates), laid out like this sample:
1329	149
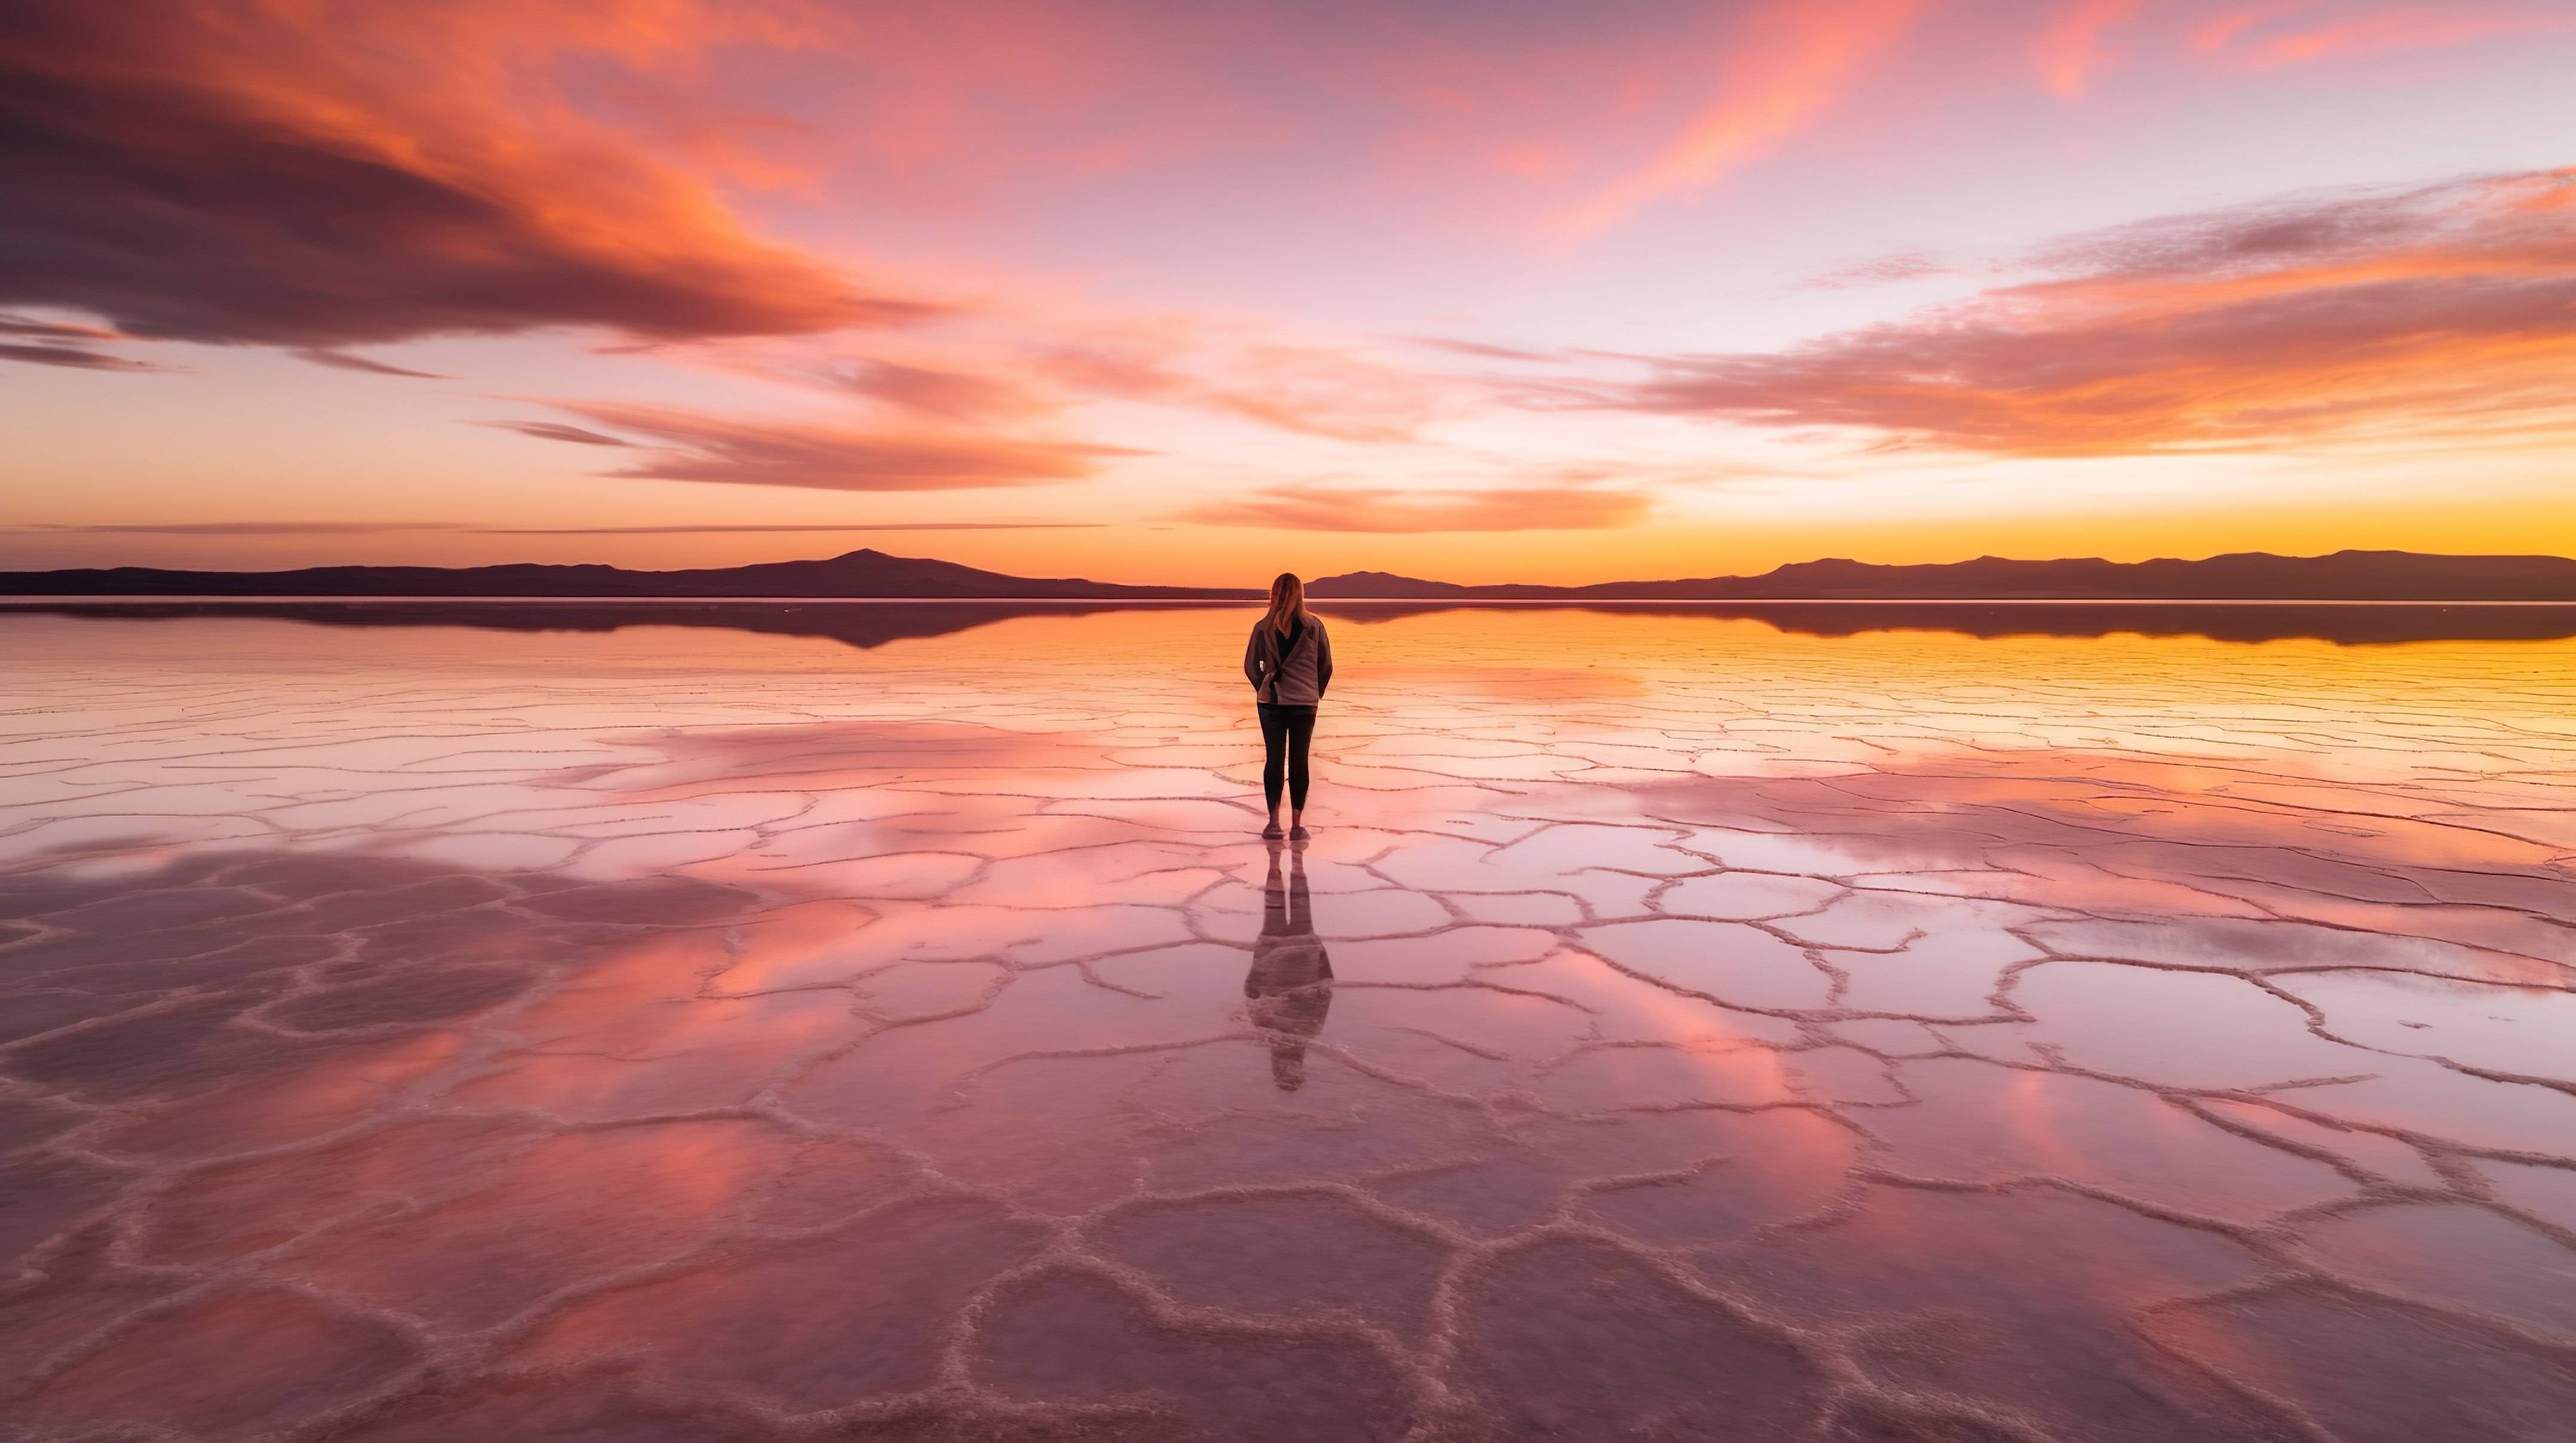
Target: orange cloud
314	173
1367	509
1793	61
687	446
2443	311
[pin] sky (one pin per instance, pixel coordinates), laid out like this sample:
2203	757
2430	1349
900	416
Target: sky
1482	290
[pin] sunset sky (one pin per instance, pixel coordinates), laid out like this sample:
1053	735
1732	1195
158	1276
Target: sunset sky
1194	292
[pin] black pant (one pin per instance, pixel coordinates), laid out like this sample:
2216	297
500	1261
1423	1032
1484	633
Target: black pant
1286	732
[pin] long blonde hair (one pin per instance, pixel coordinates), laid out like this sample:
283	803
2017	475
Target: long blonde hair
1287	601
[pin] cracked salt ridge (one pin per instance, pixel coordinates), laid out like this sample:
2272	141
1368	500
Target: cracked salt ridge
426	1035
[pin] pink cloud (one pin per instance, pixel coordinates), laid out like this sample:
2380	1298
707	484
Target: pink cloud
1312	390
2070	49
2389	28
1792	61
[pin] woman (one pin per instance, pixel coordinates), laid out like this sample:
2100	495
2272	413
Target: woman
1289	661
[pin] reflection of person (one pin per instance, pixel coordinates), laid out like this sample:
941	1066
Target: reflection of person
1289	661
1291	981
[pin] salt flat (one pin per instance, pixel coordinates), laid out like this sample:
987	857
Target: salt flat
1678	1027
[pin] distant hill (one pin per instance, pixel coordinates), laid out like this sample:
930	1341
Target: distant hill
869	574
2242	576
860	574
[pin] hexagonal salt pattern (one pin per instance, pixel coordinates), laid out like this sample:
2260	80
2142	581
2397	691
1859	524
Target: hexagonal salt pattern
1677	1028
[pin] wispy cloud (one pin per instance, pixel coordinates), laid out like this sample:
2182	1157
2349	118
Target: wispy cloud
949	395
1793	61
1483	350
54	330
66	343
2268	36
2071	46
1882	271
689	446
342	360
1313	390
1372	509
76	357
558	431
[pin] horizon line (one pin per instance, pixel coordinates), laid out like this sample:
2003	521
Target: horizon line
1250	598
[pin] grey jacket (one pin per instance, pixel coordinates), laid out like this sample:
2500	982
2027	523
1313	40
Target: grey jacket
1297	678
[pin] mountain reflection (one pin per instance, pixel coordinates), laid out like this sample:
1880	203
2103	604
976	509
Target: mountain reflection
869	624
1291	982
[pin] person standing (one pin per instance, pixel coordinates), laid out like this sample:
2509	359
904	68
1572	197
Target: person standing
1289	661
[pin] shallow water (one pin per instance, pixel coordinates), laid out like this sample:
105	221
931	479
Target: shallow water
1679	1027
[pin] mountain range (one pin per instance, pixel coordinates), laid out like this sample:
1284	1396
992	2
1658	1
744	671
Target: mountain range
2242	576
861	574
870	574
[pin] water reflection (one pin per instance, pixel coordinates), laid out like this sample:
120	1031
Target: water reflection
870	624
1291	982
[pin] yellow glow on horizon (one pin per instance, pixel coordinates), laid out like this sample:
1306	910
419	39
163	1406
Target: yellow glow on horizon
1218	556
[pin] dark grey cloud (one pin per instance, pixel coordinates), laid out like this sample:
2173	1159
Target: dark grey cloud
238	173
558	431
76	357
342	360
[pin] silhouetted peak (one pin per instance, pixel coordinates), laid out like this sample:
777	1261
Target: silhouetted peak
1822	564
